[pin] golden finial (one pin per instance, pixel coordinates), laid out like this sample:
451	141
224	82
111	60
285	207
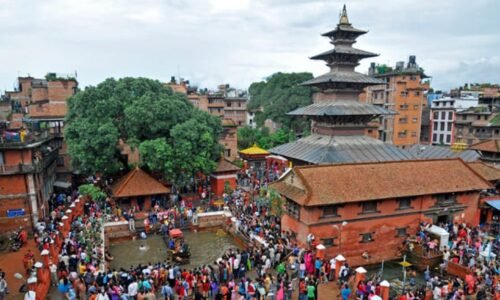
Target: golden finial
344	20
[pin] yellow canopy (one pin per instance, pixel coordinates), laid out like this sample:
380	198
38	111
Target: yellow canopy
254	150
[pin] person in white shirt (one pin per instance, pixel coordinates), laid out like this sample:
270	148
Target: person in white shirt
133	289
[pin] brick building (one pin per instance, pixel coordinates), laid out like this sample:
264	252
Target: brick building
477	124
44	102
229	104
403	91
27	175
350	212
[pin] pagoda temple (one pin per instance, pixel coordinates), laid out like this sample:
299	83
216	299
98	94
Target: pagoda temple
341	127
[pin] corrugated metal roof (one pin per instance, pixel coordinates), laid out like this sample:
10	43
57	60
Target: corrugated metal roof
348	77
432	151
344	50
320	149
341	108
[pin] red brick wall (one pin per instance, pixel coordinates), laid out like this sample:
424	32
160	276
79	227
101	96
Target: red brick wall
382	225
14	157
60	90
12	184
39	94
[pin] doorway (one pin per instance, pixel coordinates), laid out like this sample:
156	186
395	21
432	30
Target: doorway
443	219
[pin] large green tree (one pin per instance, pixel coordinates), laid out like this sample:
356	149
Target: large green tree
248	136
173	137
278	95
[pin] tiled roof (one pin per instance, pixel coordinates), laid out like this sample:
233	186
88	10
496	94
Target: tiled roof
344	183
343	77
320	149
254	150
487	146
226	166
138	183
344	50
433	152
488	172
48	110
341	108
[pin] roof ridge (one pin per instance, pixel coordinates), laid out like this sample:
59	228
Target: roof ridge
377	162
127	179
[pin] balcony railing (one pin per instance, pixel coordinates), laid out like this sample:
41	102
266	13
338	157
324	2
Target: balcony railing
36	166
31	138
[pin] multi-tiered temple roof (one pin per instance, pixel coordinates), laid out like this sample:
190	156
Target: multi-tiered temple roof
341	125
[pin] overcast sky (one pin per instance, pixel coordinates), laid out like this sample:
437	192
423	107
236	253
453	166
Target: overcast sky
241	41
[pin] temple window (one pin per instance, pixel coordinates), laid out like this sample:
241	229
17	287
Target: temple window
401	232
405	203
292	208
330	211
328	242
446	199
369	207
366	237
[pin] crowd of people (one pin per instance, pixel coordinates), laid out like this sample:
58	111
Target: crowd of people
473	250
271	266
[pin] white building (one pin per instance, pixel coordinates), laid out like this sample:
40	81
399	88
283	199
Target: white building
442	118
251	119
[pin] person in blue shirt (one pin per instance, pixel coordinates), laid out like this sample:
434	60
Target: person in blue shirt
317	265
345	292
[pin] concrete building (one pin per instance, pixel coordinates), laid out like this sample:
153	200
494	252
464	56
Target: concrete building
443	114
28	160
403	91
229	103
477	124
351	214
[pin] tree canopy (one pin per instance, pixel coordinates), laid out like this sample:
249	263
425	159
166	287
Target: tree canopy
173	137
278	95
248	136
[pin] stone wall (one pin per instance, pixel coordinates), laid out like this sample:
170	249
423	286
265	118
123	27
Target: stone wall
213	219
116	230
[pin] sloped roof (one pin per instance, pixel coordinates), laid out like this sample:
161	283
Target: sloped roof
343	77
342	27
487	146
488	172
254	150
226	166
344	50
321	149
344	183
138	183
433	152
341	108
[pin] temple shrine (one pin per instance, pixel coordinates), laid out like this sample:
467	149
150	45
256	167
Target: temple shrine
341	129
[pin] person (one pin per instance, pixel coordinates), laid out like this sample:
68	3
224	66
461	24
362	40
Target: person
345	292
310	291
131	223
3	286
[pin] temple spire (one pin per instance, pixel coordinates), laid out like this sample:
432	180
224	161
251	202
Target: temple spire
344	20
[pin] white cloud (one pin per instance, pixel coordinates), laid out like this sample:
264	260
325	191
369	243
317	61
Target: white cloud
240	41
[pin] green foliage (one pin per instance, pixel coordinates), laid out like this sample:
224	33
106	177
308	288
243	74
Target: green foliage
92	191
271	198
54	77
173	137
280	94
227	188
248	136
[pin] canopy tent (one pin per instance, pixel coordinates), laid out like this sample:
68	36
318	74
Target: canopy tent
494	203
443	235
